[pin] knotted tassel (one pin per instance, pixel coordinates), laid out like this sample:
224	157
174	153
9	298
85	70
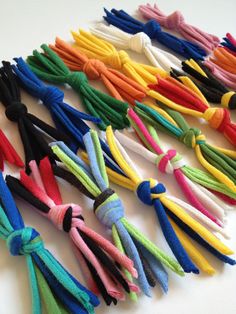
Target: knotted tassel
109	210
153	29
117	84
152	193
189	100
41	190
49	67
186	99
33	131
65	117
229	42
50	282
8	153
176	22
172	163
214	159
212	89
140	43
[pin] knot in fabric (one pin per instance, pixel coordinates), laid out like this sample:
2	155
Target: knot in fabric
16	111
51	95
218	118
174	20
24	241
152	28
108	208
192	137
117	59
139	41
169	161
66	216
149	190
93	68
76	79
124	57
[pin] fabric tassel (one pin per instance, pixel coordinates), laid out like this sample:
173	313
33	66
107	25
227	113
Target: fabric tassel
175	22
212	89
42	191
124	21
215	160
152	193
33	131
8	153
117	84
65	117
109	209
50	282
172	163
140	43
49	67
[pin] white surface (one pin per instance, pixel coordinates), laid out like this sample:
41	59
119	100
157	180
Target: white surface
24	25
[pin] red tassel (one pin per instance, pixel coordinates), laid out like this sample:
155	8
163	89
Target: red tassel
8	153
49	181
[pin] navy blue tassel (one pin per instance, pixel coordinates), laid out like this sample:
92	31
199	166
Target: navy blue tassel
152	28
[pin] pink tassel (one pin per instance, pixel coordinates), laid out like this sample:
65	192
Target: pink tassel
175	21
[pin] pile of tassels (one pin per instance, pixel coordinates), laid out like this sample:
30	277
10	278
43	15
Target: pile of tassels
150	99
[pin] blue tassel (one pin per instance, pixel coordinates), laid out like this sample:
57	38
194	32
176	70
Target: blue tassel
66	118
157	268
128	24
